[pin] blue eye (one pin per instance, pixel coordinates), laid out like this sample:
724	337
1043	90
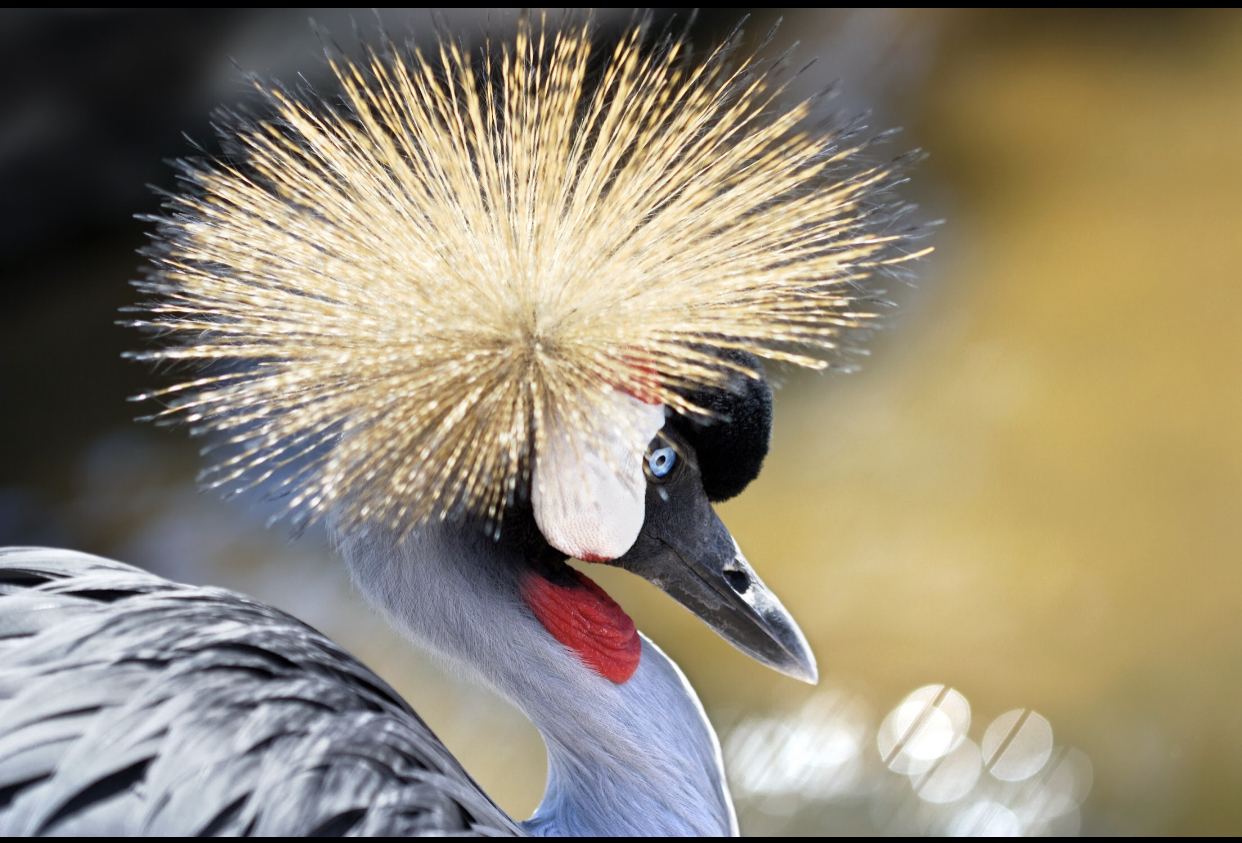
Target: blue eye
661	461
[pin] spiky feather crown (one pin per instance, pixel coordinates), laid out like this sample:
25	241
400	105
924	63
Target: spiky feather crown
398	296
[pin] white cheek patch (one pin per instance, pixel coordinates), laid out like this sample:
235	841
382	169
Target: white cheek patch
590	496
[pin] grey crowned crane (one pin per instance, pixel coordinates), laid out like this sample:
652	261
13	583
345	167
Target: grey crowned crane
479	318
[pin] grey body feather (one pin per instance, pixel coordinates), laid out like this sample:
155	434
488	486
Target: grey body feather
636	758
133	705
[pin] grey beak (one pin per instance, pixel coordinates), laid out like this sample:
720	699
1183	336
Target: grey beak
714	581
685	550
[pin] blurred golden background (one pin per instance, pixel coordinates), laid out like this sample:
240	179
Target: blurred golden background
1027	503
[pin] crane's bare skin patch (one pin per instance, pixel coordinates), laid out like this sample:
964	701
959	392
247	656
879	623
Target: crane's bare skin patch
589	491
581	615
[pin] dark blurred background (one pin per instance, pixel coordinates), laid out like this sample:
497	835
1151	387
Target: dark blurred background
1023	515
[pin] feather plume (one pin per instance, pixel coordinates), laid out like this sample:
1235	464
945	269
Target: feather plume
397	296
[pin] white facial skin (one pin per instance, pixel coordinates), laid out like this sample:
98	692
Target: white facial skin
589	498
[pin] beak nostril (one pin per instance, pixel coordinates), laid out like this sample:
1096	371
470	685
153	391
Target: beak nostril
739	581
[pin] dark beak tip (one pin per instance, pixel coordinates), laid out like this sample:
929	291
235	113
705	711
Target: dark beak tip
800	666
807	673
780	646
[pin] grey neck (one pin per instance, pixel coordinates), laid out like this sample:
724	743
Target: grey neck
638	758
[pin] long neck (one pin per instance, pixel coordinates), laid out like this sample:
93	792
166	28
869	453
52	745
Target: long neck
633	758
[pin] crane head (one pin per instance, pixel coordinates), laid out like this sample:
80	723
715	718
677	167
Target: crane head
655	519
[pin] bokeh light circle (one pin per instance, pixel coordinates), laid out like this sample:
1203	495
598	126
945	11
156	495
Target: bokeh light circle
926	726
1017	744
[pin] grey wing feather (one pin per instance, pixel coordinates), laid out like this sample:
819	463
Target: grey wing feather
133	705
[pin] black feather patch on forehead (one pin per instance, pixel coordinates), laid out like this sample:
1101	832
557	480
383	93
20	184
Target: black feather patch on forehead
731	446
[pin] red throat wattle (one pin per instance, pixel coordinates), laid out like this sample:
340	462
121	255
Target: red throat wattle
585	619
